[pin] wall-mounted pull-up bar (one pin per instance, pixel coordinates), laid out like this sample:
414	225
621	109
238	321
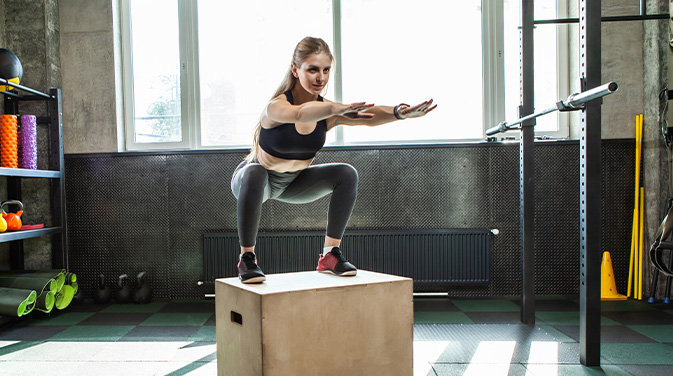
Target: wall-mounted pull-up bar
574	102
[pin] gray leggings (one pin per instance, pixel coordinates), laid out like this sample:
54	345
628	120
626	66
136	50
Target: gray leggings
252	185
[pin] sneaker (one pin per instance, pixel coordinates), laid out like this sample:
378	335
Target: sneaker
248	270
335	263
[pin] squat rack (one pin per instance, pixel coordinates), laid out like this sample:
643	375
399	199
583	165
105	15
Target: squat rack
590	166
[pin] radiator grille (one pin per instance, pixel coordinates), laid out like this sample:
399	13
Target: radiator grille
434	259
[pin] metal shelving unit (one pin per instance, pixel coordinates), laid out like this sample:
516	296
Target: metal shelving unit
55	173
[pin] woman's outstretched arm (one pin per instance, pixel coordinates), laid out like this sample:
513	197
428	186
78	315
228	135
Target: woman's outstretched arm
280	111
383	114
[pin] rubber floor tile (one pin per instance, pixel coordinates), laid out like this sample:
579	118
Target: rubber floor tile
661	333
33	367
119	368
188	368
625	305
487	305
609	334
122	351
434	305
575	370
87	306
442	369
441	318
10	349
60	351
567	318
211	321
177	319
640	317
555	305
92	333
495	317
115	319
205	334
648	370
63	318
30	333
160	333
188	307
135	308
638	353
196	352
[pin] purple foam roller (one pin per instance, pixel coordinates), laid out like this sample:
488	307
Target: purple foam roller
29	142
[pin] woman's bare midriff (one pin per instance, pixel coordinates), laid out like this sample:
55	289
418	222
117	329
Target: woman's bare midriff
270	162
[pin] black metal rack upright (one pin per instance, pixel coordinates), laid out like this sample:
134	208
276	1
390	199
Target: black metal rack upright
55	173
590	169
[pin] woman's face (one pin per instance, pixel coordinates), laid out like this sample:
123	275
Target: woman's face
313	73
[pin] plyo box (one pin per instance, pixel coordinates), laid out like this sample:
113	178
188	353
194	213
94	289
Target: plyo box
310	323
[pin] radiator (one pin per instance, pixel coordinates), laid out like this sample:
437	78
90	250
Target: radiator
432	258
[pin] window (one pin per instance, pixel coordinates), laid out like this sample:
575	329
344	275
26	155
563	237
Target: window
414	55
551	65
198	73
155	76
238	75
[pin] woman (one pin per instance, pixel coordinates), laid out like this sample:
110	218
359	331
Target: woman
290	132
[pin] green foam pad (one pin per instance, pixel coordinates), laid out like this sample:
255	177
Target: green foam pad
16	302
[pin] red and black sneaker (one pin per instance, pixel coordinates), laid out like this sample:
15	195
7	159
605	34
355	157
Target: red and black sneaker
335	263
248	270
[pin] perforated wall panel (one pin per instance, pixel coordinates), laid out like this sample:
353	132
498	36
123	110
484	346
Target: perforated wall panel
131	212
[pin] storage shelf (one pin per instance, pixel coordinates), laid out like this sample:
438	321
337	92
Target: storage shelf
54	170
9	236
25	173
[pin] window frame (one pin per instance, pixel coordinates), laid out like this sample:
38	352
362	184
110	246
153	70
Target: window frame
493	81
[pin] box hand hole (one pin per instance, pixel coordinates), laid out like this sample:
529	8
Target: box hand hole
236	317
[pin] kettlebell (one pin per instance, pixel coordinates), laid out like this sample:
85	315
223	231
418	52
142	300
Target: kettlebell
13	219
143	292
3	224
124	294
102	294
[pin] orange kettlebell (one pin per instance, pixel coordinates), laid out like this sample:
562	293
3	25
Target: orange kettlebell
13	219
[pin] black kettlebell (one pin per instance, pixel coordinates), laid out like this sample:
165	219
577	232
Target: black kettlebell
102	294
123	295
143	292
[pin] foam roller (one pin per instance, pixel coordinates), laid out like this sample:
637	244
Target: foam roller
29	142
18	147
8	141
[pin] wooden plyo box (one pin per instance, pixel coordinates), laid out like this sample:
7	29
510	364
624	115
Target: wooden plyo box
315	324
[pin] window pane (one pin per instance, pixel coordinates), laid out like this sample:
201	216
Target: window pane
245	50
395	51
546	63
156	70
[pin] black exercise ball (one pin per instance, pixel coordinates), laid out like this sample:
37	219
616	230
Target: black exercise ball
10	68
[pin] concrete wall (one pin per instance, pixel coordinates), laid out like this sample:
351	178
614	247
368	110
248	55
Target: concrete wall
31	29
91	89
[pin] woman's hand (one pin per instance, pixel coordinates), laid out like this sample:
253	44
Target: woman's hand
356	111
418	110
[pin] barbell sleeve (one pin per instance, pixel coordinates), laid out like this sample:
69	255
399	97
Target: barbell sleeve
502	127
578	99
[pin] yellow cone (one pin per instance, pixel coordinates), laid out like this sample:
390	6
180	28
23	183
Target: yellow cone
608	287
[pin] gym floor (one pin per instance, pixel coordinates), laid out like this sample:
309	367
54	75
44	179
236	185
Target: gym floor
451	337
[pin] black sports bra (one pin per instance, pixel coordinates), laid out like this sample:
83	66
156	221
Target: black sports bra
283	141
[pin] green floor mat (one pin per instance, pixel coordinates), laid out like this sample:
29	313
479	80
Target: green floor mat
53	288
16	302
